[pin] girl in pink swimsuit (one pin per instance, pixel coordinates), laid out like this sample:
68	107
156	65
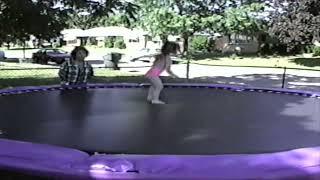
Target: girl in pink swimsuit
162	62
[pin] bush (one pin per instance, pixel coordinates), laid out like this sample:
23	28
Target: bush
316	51
109	43
279	49
119	43
199	43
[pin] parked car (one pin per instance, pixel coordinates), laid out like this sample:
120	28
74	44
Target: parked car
43	56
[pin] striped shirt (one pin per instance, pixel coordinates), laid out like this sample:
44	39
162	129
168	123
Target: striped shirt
74	74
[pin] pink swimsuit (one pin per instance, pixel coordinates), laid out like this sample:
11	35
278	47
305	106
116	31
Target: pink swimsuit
156	70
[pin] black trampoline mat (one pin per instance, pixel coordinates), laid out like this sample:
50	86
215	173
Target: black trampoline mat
195	121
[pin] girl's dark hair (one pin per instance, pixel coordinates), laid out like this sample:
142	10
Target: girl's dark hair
170	47
77	49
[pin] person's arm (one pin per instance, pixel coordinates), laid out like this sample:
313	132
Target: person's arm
63	72
168	69
144	56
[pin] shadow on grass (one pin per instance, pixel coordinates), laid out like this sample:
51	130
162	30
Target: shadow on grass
309	62
216	56
10	60
265	81
14	82
203	55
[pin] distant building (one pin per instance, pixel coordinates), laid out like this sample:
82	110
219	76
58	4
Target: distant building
133	38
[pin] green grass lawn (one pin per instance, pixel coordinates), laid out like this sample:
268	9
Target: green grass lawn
212	58
289	61
36	77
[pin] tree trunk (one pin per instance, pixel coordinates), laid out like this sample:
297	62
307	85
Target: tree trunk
229	38
261	39
82	41
164	38
185	44
21	60
8	45
145	38
24	49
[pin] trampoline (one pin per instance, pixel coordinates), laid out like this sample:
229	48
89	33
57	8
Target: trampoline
109	131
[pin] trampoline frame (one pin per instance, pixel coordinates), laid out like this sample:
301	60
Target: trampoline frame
31	89
64	163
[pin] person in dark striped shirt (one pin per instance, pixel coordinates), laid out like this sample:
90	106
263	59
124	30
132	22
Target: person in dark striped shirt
76	71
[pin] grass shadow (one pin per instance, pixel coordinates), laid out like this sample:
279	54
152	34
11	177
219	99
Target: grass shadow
309	62
14	82
205	55
10	60
217	55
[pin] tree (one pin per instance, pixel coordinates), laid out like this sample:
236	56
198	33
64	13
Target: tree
120	19
78	20
174	17
24	18
242	20
185	18
298	25
46	18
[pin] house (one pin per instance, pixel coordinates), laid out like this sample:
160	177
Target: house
133	38
236	43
